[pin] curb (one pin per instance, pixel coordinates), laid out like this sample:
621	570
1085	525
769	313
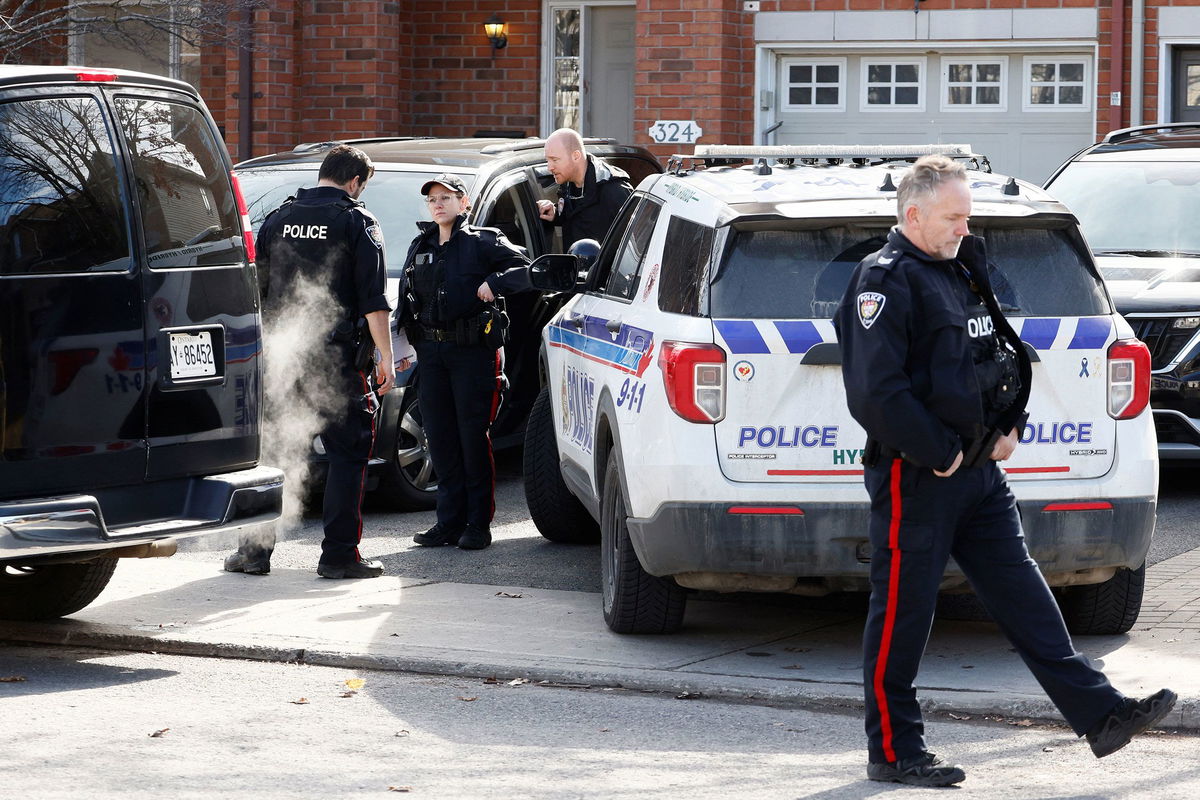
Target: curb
1184	718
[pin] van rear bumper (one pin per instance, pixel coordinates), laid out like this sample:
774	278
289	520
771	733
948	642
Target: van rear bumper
51	527
830	540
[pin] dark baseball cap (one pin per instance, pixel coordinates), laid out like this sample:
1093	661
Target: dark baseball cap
449	181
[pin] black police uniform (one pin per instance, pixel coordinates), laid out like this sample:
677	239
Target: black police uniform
932	368
324	236
460	374
587	213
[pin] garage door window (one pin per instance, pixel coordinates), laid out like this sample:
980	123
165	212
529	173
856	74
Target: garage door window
974	85
814	85
1058	85
893	85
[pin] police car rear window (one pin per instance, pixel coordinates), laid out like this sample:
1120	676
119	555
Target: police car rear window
802	273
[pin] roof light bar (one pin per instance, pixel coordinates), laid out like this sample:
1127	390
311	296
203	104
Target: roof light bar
846	151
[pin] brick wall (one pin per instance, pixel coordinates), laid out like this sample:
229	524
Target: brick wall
695	61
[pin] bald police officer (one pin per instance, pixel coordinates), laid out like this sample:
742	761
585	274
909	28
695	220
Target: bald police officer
590	190
939	380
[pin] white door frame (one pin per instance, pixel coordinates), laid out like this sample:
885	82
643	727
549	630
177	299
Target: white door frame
547	71
1166	76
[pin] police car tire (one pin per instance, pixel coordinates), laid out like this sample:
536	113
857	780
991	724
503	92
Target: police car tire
634	601
557	514
48	591
396	487
1104	609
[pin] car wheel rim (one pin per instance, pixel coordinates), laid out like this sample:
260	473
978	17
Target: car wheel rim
412	453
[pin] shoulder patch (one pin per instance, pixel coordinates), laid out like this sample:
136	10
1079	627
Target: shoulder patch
870	307
376	234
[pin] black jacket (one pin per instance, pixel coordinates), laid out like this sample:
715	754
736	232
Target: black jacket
323	235
589	215
906	355
470	256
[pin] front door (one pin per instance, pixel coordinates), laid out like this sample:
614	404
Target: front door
589	67
608	73
1185	104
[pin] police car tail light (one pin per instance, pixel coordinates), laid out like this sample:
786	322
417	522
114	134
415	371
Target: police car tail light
247	231
694	377
1128	378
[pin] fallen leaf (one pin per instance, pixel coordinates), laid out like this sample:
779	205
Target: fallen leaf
301	702
401	733
393	634
689	695
518	681
467	699
507	594
350	693
604	730
1047	749
12	679
959	716
399	788
491	680
157	734
1022	723
355	683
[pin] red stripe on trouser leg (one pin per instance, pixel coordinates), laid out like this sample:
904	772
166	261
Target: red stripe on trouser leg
362	480
889	622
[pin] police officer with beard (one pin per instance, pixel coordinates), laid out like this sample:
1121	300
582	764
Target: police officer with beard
939	380
590	190
324	237
453	274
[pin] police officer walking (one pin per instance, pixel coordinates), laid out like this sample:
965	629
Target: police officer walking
454	273
590	190
324	237
939	380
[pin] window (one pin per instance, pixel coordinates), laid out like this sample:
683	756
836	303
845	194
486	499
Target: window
188	213
814	84
686	256
975	85
137	36
892	85
1057	85
60	197
624	279
565	65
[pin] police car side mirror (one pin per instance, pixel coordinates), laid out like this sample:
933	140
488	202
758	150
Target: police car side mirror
554	272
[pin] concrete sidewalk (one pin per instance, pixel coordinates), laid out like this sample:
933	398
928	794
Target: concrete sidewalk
506	632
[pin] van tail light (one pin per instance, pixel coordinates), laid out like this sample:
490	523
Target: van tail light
694	377
247	231
1128	378
96	77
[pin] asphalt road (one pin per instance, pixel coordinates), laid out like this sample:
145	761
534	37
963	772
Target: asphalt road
82	723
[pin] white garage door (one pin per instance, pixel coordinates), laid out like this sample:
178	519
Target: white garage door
1027	111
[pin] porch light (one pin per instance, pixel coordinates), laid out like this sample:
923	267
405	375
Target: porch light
494	28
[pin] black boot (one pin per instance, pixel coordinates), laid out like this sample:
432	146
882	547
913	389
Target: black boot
923	770
1127	720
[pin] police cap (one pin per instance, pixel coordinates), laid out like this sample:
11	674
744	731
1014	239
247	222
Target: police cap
452	182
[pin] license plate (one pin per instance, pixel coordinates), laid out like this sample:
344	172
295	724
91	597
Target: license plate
192	355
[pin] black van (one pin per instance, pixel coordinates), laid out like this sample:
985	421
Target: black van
130	339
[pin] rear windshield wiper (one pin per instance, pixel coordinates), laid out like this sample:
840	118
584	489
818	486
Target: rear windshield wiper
1149	253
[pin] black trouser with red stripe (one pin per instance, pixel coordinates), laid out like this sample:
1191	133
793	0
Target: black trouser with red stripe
918	521
459	389
348	436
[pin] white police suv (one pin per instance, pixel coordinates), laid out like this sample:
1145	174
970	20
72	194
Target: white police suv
693	417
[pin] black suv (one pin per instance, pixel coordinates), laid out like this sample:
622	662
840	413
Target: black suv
1136	194
130	346
505	178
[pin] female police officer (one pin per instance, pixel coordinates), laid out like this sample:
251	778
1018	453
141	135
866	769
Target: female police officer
453	274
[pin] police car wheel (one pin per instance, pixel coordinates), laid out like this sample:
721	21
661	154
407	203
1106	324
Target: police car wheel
408	482
48	591
1103	609
557	514
634	601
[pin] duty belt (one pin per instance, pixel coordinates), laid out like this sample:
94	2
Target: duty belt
437	335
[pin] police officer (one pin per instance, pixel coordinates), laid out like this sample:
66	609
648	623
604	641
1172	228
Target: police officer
324	237
939	380
453	274
590	190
